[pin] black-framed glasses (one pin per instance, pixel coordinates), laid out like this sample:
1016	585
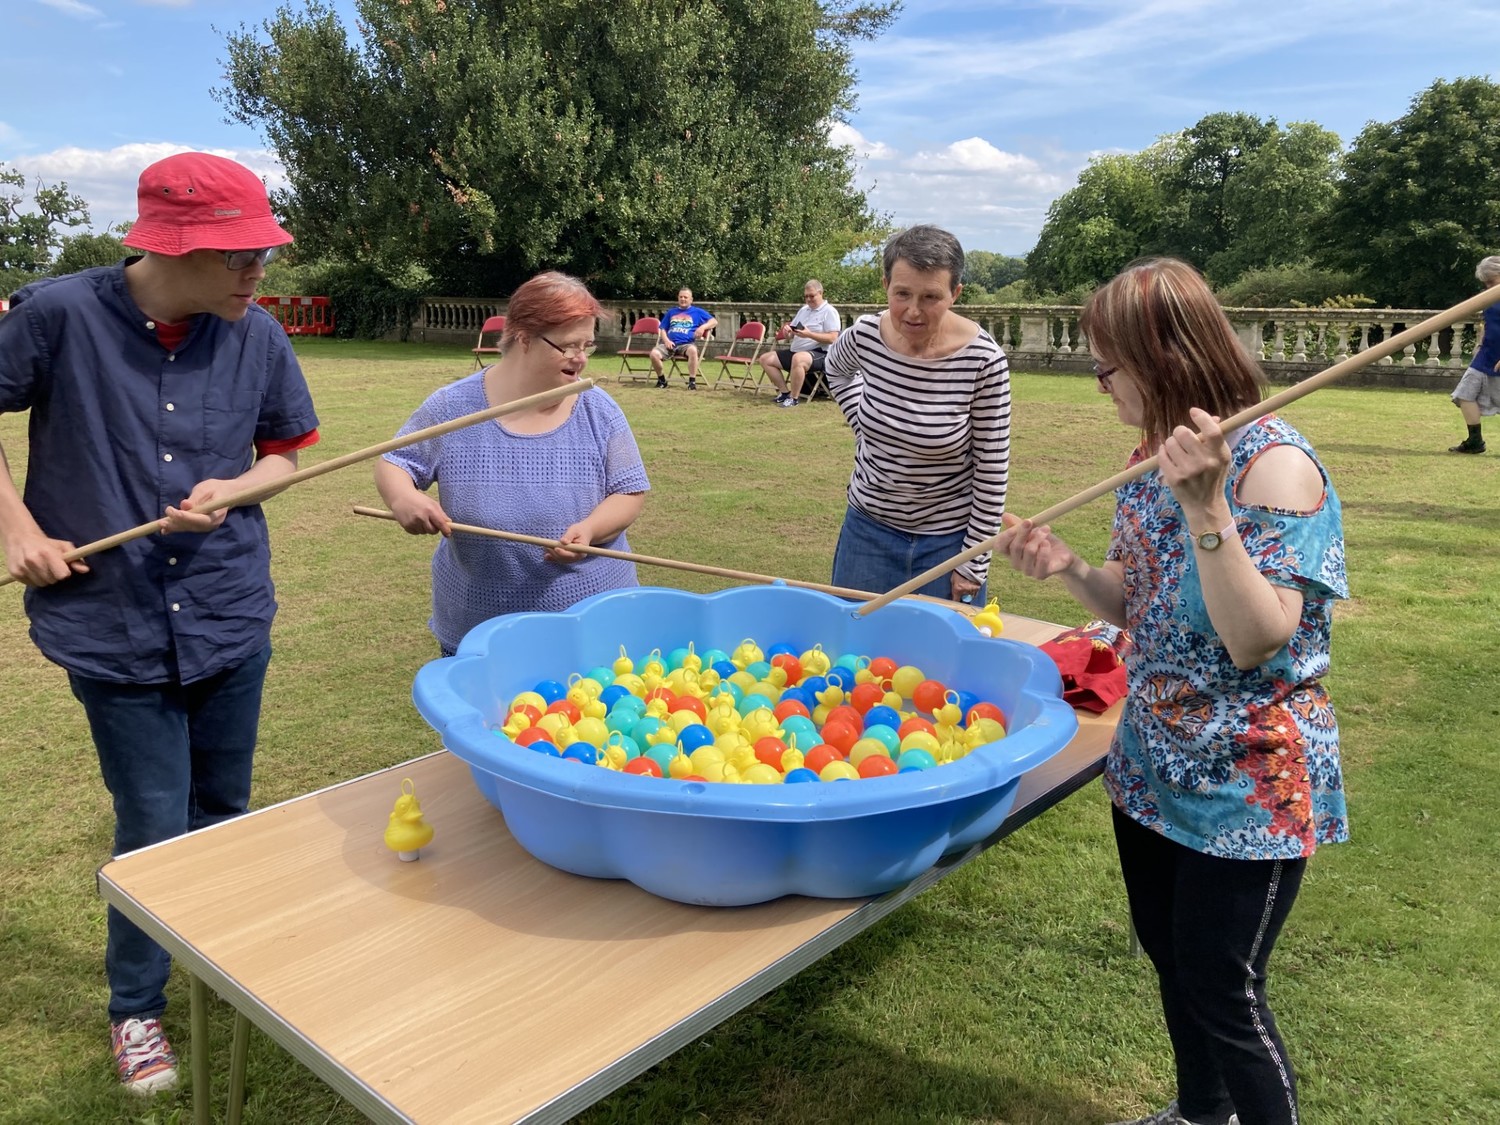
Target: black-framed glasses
244	259
572	350
1104	376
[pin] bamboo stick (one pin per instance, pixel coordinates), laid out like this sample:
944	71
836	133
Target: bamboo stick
1461	311
262	491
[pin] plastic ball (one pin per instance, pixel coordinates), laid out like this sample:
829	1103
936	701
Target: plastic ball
584	752
865	747
929	695
613	694
882	714
713	657
761	774
916	722
915	759
692	737
815	661
838	771
801	695
528	699
922	740
760	669
799	775
632	683
725	668
553	723
788	664
529	711
988	730
819	756
565	707
840	735
755	702
642	766
743	679
704	755
542	746
966	702
800	730
882	734
787	707
984	710
877	766
662	756
628	745
768	688
550	690
852	662
592	731
622	721
531	736
840	677
688	703
882	668
904	680
769	750
866	695
645	727
602	676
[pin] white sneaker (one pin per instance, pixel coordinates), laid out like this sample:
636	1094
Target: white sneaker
143	1057
786	400
1170	1116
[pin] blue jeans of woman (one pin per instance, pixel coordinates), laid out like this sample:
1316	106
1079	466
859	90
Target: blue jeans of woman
876	557
175	757
1208	924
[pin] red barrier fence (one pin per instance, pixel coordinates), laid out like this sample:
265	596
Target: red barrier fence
300	316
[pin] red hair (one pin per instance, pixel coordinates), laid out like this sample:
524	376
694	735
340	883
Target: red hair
546	301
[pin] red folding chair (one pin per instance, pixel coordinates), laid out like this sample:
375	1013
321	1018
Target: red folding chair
736	366
494	327
638	345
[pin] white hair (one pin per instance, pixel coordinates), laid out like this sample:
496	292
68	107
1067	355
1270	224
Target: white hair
1488	269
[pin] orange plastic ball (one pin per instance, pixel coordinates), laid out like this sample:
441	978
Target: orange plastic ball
532	713
916	722
564	707
847	714
664	693
788	664
929	695
877	765
790	707
839	735
866	696
686	703
643	765
530	735
820	755
769	750
983	710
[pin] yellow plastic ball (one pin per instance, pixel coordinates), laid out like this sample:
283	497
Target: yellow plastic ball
922	740
530	699
839	770
761	774
631	683
554	722
705	756
590	730
904	680
677	720
863	748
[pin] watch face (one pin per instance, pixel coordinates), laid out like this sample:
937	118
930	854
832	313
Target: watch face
1210	540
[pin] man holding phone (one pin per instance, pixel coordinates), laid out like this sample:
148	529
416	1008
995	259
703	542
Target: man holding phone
813	329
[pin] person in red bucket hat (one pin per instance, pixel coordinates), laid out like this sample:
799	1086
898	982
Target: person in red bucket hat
156	386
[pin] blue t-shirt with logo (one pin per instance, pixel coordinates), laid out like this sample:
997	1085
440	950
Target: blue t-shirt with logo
680	323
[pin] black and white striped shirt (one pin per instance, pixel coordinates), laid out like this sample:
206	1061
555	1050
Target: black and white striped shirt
931	436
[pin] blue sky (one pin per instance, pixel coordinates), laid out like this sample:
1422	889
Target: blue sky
973	114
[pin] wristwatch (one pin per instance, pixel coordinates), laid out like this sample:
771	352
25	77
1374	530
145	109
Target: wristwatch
1213	540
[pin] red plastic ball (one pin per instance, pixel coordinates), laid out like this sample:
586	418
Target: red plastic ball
929	695
984	710
790	707
688	703
916	722
844	713
642	764
531	713
877	765
769	750
564	707
663	693
820	755
883	668
788	664
866	695
840	735
530	735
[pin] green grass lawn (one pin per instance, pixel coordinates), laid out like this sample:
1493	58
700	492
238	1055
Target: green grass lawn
1006	993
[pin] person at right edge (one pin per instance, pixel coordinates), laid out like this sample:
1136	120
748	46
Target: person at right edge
1224	775
1478	390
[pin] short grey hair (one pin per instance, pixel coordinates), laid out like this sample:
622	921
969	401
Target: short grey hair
926	248
1488	269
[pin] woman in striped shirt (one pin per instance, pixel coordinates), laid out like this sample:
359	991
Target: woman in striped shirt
927	394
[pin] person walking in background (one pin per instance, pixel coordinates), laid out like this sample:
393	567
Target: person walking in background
814	327
567	470
683	330
1478	390
927	394
156	387
1224	775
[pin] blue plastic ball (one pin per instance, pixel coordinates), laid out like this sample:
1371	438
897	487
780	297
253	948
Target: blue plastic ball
843	677
801	695
725	668
542	746
780	650
966	700
881	715
585	752
645	727
612	694
602	676
713	657
812	685
550	690
801	773
693	736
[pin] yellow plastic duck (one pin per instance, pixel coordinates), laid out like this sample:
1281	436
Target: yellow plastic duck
406	833
988	621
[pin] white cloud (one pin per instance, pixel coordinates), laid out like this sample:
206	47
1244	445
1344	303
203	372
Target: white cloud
74	8
106	178
847	136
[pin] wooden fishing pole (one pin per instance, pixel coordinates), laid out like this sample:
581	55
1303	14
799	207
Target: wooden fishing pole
262	491
650	560
1461	311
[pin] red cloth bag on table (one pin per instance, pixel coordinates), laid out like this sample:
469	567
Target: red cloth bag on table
1092	662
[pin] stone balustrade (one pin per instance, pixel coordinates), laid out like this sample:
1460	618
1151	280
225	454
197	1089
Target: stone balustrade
1290	343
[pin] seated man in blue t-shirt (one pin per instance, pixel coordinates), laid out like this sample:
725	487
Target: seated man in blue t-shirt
683	328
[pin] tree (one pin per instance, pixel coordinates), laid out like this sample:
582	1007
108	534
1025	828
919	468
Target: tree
1211	155
84	251
29	235
1419	204
643	144
984	269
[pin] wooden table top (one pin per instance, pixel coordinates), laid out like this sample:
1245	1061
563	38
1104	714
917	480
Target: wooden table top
477	983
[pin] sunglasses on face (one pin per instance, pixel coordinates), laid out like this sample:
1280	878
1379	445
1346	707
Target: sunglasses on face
244	259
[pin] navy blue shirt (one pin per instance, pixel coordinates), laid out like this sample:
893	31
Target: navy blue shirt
120	428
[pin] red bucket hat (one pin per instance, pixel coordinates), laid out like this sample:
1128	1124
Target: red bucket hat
197	201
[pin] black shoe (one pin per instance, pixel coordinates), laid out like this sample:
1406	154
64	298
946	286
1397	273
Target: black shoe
692	384
1468	445
661	381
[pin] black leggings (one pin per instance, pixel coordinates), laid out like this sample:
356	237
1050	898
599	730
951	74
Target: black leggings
1208	925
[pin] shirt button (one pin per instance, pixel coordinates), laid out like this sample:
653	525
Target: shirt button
151	324
166	457
171	406
175	607
172	561
172	358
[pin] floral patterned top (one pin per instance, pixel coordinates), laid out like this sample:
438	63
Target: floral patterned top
1237	764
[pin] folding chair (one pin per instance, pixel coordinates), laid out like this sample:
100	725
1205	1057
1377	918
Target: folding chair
737	368
675	360
645	329
492	326
782	339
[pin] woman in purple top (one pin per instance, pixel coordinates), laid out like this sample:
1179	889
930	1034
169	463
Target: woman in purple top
568	470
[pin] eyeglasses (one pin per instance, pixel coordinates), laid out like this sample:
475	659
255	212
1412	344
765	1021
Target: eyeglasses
573	350
244	259
1104	376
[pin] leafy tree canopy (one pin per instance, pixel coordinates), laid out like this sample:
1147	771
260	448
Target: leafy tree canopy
1419	203
641	144
29	233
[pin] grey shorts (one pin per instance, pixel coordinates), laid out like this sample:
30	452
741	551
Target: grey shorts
1481	388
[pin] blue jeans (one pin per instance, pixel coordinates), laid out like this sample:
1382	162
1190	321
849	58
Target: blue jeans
175	757
877	557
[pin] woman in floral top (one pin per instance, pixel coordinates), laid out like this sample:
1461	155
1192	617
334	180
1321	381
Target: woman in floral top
1224	774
